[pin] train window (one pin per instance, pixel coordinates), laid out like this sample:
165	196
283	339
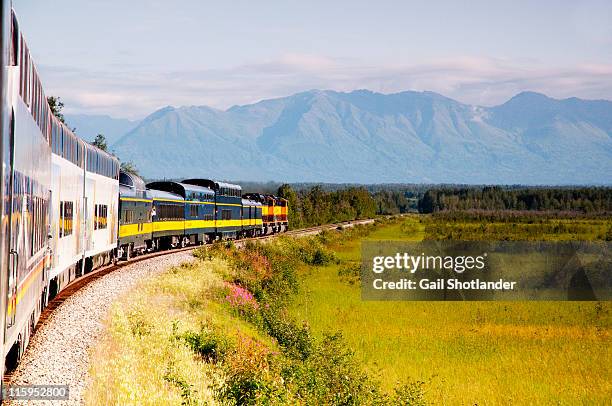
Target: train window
55	138
21	72
66	218
60	145
38	215
26	73
170	212
61	225
226	214
193	210
128	216
100	216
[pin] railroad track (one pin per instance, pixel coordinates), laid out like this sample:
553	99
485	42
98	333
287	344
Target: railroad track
88	278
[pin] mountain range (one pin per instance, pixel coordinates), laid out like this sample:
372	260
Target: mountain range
88	126
368	137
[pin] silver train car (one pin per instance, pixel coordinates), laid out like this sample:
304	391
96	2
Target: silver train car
58	197
66	208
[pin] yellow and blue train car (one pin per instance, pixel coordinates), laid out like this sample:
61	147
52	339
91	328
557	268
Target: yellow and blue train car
168	219
135	223
228	206
198	210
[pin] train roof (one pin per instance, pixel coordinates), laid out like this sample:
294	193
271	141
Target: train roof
131	185
212	184
249	202
258	197
179	188
131	181
162	194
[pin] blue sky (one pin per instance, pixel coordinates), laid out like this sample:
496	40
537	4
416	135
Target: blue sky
128	58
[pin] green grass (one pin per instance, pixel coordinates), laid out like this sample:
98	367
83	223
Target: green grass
468	352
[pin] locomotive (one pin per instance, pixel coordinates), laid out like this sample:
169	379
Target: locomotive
66	207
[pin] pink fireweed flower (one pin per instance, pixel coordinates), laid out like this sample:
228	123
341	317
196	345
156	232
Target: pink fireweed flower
241	298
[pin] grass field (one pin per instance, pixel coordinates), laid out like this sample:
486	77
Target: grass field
143	355
228	329
470	352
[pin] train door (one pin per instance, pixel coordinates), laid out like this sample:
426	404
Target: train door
13	229
85	235
49	254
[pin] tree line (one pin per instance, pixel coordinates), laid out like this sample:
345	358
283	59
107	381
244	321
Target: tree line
559	199
316	206
319	205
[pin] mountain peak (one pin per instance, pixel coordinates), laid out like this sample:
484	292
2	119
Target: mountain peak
531	97
159	113
366	136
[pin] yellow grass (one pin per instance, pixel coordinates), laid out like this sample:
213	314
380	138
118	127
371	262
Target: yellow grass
139	362
468	352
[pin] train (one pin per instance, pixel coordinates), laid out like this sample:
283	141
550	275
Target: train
67	208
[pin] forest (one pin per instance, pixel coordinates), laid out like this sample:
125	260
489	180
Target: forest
317	206
589	200
320	204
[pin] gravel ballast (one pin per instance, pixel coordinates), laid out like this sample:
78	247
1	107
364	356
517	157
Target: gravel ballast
58	353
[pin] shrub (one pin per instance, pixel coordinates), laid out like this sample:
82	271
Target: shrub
350	272
211	345
296	340
250	375
412	393
171	376
332	375
138	324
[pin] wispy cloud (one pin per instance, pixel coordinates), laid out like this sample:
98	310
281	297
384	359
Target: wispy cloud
136	91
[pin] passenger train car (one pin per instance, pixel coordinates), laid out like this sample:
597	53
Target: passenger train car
59	197
66	208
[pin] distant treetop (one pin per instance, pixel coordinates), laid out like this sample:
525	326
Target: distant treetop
56	105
